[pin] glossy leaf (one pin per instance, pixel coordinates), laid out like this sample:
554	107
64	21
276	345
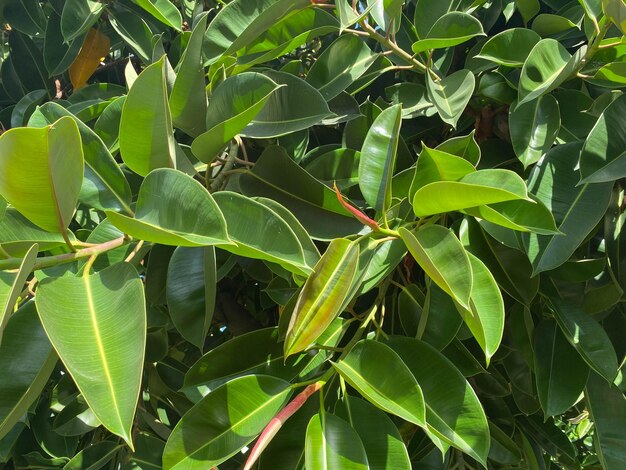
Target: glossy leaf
534	126
333	443
438	165
191	291
146	107
25	344
443	259
510	47
451	94
17	235
323	296
135	32
234	103
93	457
48	193
99	332
364	369
78	17
173	209
561	373
450	30
164	11
378	158
224	421
453	411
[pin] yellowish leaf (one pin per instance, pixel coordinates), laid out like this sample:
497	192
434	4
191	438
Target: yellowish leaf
95	48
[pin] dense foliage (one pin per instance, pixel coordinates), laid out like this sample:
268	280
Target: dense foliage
376	234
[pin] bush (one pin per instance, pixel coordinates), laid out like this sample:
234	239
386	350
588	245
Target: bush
378	234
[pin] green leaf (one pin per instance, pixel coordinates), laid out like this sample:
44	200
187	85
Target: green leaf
323	296
78	16
57	54
93	457
26	346
224	421
607	406
510	48
386	13
174	209
547	24
47	194
615	10
97	324
450	30
188	101
586	336
11	284
104	185
272	241
135	32
602	159
453	411
294	106
366	369
378	158
464	146
343	62
164	11
534	126
191	289
107	127
443	259
234	103
439	322
475	189
26	16
146	134
278	177
547	66
438	165
528	8
485	317
242	21
333	443
427	12
17	235
30	68
451	94
576	209
560	372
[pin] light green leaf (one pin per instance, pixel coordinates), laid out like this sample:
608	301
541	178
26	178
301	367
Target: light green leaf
464	146
146	134
443	258
475	189
272	241
190	290
188	100
560	372
104	185
107	126
25	344
333	443
344	61
453	411
437	165
17	235
485	317
451	94
224	421
164	11
522	215
427	12
293	107
46	194
234	103
78	16
11	284
174	209
97	324
378	158
510	48
615	10
366	369
534	126
450	30
603	159
547	24
323	296
386	13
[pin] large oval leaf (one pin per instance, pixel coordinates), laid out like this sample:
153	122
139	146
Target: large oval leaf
333	443
378	158
47	193
603	158
443	258
366	369
97	324
450	30
451	94
191	288
234	103
27	357
146	133
323	296
224	421
174	209
510	48
453	412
